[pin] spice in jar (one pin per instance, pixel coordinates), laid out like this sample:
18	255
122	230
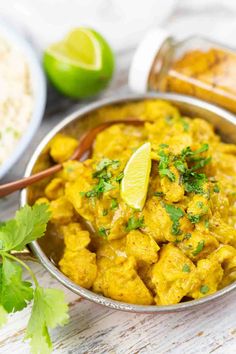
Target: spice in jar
196	67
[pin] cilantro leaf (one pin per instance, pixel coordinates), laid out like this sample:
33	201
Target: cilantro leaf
163	167
14	292
119	177
194	219
175	214
29	224
186	268
135	223
204	289
199	248
49	310
114	203
3	316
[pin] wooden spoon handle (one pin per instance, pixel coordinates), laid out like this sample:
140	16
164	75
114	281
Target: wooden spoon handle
11	187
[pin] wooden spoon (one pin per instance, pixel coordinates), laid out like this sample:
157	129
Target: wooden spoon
85	144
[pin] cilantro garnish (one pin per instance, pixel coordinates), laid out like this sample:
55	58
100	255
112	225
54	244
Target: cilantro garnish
204	289
158	194
49	306
199	248
104	178
175	214
134	223
114	203
187	236
164	170
104	212
119	177
104	163
216	188
194	219
99	188
180	165
102	231
206	224
185	124
186	268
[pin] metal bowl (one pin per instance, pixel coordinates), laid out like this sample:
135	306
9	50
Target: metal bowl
76	124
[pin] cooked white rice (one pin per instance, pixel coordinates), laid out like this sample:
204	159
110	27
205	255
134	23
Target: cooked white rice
16	98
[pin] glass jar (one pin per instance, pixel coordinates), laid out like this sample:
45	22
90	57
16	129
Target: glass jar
195	66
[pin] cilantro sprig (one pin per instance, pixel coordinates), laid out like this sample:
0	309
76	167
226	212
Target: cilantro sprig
104	178
49	306
175	214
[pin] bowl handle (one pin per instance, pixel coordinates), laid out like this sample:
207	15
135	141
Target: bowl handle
25	255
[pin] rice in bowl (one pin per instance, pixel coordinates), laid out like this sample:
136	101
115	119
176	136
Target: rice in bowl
16	97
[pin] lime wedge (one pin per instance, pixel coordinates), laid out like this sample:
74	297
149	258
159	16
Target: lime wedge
80	48
80	65
134	185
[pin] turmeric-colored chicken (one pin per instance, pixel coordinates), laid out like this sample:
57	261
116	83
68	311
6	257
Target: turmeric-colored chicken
182	244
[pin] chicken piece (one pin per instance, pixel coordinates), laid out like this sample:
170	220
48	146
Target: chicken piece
72	170
62	211
74	237
55	189
223	232
226	256
157	222
142	247
197	245
83	205
174	276
62	147
42	200
80	266
210	274
172	190
198	206
121	282
108	254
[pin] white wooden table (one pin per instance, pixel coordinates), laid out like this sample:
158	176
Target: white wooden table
96	329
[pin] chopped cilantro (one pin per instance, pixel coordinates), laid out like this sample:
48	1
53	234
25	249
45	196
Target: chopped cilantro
99	188
201	162
186	268
134	223
114	203
164	146
168	119
200	205
175	214
193	182
164	166
185	124
204	289
187	236
180	165
104	163
216	188
194	219
199	248
119	177
206	224
158	194
104	212
102	232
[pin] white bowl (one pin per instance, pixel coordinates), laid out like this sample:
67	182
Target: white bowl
38	83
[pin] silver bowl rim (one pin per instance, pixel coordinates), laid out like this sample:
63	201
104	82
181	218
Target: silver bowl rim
55	272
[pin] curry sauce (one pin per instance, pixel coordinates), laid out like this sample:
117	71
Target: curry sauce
182	244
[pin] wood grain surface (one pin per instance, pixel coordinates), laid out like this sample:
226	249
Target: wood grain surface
96	329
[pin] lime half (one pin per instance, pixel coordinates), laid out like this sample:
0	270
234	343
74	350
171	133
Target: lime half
134	185
81	65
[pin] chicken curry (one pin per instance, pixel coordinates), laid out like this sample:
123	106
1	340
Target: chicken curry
182	244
